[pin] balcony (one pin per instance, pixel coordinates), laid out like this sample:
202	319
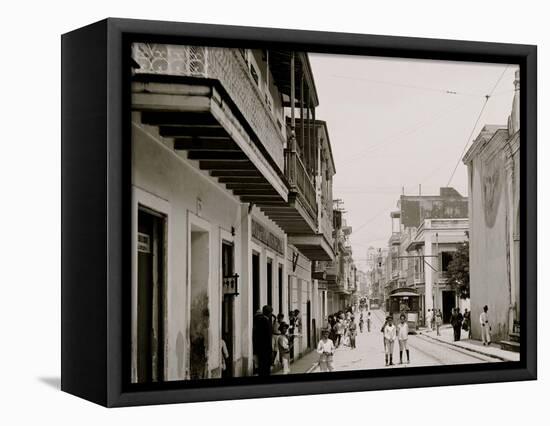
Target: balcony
228	67
395	239
206	102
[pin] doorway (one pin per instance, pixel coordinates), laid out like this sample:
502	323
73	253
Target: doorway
150	295
199	311
309	323
228	309
448	298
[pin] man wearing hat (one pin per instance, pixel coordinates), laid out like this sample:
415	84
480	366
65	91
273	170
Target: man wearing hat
261	340
485	326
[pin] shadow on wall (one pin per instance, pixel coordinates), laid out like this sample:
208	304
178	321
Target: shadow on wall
199	336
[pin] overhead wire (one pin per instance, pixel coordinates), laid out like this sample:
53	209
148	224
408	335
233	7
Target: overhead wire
487	97
398	136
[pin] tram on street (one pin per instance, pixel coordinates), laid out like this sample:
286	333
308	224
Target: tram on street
405	300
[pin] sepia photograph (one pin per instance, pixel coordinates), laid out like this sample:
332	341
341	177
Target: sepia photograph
299	212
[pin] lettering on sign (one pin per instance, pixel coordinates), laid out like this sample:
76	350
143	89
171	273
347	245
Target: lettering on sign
266	237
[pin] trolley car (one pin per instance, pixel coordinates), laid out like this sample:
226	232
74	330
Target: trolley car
407	301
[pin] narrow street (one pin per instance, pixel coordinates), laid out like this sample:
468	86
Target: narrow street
423	351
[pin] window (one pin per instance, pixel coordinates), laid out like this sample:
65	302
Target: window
446	258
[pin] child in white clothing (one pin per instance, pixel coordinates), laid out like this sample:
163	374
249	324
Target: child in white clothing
390	334
325	349
403	336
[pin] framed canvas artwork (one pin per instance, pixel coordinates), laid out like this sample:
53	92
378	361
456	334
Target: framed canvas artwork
253	212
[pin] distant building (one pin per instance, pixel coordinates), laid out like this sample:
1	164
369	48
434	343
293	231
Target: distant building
433	246
493	176
378	277
340	274
426	229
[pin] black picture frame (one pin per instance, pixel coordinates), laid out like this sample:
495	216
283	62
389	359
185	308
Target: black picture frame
95	199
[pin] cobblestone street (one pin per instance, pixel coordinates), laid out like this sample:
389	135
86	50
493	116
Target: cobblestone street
424	351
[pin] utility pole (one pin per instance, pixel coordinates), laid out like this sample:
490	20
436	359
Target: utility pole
438	269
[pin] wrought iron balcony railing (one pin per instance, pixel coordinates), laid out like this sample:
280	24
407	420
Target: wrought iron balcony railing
226	65
301	182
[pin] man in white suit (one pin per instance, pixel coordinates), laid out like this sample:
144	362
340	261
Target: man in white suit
485	326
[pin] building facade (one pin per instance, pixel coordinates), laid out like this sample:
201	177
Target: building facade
431	249
227	204
339	275
426	230
493	176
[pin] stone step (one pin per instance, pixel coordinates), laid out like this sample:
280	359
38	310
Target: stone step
514	337
509	345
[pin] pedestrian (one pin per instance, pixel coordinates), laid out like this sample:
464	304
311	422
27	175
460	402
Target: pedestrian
346	337
331	324
352	330
485	326
325	349
403	336
297	322
467	324
361	322
283	345
429	319
456	322
275	335
389	339
261	340
368	321
438	321
339	330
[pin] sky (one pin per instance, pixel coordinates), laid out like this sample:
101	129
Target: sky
397	123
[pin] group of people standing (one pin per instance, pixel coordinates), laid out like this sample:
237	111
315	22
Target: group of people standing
273	339
399	332
342	327
460	322
434	319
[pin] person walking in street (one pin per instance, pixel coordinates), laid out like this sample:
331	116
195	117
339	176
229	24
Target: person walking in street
403	336
429	319
368	321
361	323
325	349
438	321
467	324
485	326
261	340
352	330
332	331
389	339
456	322
283	346
339	330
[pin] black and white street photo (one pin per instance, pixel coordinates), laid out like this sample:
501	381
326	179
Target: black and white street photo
307	213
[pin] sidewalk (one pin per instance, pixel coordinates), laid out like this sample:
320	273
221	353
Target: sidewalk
447	337
306	364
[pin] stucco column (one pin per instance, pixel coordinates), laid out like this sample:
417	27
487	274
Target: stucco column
428	273
245	290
